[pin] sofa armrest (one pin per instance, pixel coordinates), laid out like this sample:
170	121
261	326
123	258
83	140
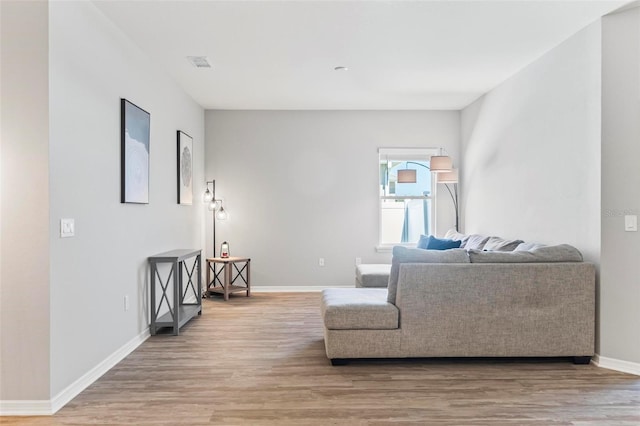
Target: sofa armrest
538	309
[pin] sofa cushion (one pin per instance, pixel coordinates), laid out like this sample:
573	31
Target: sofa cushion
500	244
476	242
432	243
372	275
529	246
411	255
358	309
559	253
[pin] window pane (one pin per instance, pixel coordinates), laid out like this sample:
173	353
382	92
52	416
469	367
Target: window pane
389	184
405	187
403	221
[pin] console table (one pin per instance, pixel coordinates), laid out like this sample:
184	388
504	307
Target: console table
226	286
179	311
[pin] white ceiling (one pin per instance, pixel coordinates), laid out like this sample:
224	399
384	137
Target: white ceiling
400	54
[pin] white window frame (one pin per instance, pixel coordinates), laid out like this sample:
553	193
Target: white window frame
405	154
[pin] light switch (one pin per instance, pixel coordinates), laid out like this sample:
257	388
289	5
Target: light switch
631	223
67	228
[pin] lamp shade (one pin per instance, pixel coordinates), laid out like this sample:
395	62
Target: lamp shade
440	163
448	177
407	176
214	205
207	196
221	214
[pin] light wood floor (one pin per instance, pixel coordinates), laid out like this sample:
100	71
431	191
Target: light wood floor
261	361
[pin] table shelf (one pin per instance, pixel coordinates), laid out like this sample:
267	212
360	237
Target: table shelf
185	313
230	289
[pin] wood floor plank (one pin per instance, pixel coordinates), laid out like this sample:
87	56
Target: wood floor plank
261	361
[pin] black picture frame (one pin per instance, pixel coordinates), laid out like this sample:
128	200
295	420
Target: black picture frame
185	168
135	135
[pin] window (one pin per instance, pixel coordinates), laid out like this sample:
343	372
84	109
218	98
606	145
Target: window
406	204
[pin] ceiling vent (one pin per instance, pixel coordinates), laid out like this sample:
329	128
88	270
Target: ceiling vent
199	61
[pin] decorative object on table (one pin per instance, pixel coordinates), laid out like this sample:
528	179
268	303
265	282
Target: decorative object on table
215	205
134	153
442	166
185	168
224	250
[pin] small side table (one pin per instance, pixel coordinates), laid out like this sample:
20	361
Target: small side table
233	269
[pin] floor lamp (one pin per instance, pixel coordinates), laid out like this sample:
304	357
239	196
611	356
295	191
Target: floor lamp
442	166
214	205
447	178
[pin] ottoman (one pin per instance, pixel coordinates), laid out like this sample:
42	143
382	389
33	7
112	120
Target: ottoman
372	275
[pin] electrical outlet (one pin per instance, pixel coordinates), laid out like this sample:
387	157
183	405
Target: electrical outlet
631	223
358	260
321	261
126	303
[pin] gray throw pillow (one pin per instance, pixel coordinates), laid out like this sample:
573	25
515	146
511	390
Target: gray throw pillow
452	234
500	244
413	255
559	253
476	242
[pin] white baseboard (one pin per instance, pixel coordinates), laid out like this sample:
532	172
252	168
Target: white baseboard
26	408
74	389
49	407
294	288
617	364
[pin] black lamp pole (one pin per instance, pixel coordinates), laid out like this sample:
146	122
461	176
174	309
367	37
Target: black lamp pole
213	200
454	198
214	233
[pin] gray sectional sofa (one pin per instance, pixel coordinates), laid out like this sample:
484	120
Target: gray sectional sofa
532	301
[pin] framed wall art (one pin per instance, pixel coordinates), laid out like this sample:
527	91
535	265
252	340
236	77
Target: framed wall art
134	153
185	168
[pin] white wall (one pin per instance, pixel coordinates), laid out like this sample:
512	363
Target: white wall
300	185
24	213
620	269
93	65
531	151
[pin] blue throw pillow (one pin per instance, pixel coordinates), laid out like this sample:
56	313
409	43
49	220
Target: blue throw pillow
433	243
